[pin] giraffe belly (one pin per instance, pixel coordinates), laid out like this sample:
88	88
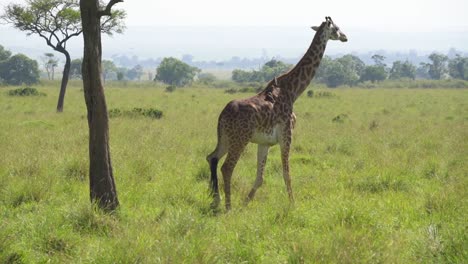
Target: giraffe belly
265	138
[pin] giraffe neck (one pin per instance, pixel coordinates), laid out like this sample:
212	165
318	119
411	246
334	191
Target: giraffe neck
297	79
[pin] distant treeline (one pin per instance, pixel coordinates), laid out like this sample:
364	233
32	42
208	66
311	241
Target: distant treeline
237	62
350	70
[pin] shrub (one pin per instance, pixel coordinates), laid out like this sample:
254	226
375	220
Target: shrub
231	91
27	91
170	88
146	112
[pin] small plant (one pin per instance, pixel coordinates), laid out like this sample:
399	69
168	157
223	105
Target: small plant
27	91
310	93
373	125
170	88
137	111
247	90
150	112
340	118
116	112
231	91
324	94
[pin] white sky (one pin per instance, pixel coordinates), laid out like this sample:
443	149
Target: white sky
423	25
388	15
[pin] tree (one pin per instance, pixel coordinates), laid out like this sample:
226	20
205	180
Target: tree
175	72
121	73
102	184
4	54
75	68
206	78
402	70
19	69
337	75
274	68
56	21
240	76
342	71
438	66
458	67
353	64
379	60
374	73
323	68
108	67
135	72
49	64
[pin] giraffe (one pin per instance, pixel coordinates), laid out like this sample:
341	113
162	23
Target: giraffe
266	119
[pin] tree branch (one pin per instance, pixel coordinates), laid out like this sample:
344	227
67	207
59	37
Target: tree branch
107	10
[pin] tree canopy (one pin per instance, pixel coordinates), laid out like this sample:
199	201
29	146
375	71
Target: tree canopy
56	21
19	69
175	72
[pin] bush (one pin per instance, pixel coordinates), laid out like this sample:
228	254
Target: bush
28	91
146	112
231	91
170	88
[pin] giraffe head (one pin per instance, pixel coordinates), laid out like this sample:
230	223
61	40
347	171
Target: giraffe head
331	30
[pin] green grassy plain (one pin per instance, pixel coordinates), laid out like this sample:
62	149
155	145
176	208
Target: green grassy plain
386	182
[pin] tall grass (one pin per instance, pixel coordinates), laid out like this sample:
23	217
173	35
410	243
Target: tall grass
385	184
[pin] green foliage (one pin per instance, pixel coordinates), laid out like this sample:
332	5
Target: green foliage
175	72
19	69
170	88
345	70
108	69
206	78
135	72
438	66
4	54
458	67
274	68
49	64
27	91
320	94
152	113
374	73
269	71
401	70
75	68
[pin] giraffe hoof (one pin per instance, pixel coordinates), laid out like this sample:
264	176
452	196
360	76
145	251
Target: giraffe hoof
216	202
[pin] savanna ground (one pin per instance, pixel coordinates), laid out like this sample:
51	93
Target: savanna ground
380	176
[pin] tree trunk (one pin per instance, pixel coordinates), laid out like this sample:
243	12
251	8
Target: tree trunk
102	186
65	76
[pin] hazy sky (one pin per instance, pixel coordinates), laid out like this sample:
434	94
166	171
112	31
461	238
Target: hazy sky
402	25
388	15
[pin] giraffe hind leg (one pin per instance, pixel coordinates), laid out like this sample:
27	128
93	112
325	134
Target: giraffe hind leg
227	169
213	160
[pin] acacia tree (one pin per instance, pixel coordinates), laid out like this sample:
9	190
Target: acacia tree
102	184
49	64
56	21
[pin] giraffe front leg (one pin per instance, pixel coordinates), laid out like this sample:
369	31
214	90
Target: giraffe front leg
285	145
262	154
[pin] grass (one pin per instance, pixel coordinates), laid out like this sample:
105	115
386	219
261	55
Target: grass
385	184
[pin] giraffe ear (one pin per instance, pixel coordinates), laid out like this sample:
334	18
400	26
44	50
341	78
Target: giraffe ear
314	28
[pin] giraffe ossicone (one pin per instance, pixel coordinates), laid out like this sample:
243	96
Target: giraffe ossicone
267	118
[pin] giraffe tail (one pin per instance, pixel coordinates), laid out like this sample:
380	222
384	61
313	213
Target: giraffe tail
214	176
